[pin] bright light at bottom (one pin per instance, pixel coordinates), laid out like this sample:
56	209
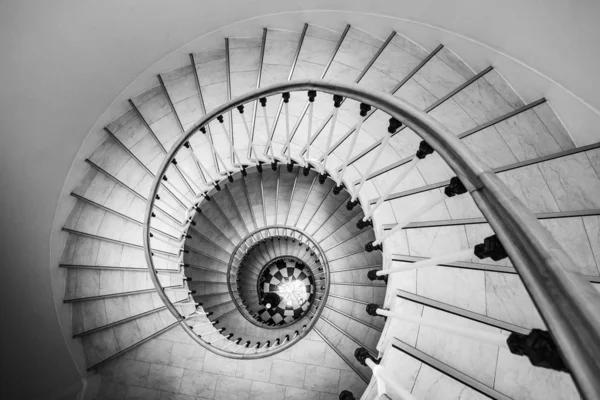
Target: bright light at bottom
292	291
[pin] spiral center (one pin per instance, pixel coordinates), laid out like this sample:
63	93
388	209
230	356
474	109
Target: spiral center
293	283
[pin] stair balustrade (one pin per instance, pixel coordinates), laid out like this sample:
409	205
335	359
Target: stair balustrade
565	300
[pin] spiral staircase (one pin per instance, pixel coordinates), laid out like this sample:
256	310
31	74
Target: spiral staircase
176	220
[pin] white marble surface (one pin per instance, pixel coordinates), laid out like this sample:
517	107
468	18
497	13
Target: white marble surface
507	300
214	94
395	61
403	367
434	385
130	132
571	234
322	379
482	102
573	182
377	80
188	110
280	50
356	53
594	157
505	90
527	136
317	50
307	70
455	62
406	280
462	206
147	150
118	308
342	72
517	378
458	287
438	77
430	242
109	156
180	83
321	32
127	334
553	124
408	205
529	185
409	46
490	147
416	94
477	360
153	105
453	117
211	72
592	229
395	328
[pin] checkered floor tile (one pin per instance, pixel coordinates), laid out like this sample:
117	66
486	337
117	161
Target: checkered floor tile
294	283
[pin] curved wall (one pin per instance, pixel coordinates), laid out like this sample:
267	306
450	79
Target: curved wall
65	62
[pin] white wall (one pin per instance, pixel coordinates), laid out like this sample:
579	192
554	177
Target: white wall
64	62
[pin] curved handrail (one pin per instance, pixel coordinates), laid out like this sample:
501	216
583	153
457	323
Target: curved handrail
324	263
566	302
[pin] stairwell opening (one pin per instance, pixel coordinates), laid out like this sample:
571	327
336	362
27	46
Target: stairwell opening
286	290
281	261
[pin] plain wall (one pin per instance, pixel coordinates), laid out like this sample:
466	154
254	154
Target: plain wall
62	64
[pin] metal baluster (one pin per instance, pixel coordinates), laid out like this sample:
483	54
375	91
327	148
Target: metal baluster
490	248
173	188
176	244
230	142
263	103
204	170
455	188
175	214
451	257
286	100
252	348
189	212
337	102
214	151
393	126
166	218
389	188
266	346
205	324
245	344
250	141
180	304
197	313
364	110
311	99
167	258
189	147
230	343
424	150
221	338
383	381
186	176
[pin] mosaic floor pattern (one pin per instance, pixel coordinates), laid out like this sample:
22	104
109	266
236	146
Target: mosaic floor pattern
293	281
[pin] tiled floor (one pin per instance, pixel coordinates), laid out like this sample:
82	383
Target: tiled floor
172	368
293	281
